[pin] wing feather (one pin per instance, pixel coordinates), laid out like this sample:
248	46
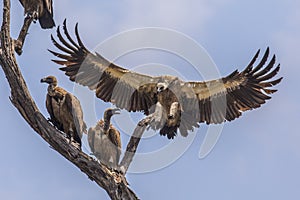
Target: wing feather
226	98
111	83
115	138
211	102
91	138
48	6
74	107
262	62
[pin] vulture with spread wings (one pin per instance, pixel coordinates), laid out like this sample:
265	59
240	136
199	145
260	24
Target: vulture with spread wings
175	104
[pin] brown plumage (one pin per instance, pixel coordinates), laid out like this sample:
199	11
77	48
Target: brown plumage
174	103
41	10
65	110
34	10
104	140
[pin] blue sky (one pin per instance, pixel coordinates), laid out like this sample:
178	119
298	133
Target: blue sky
257	155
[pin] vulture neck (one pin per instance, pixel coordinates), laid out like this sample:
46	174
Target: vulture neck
106	122
51	89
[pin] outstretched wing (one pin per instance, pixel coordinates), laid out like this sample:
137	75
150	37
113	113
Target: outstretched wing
125	89
226	98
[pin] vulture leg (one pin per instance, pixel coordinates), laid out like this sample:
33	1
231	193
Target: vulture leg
158	115
22	35
73	138
173	110
155	119
147	120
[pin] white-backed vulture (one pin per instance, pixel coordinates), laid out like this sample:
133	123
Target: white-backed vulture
104	140
65	110
41	10
175	103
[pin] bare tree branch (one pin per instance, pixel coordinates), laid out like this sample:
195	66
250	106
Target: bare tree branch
113	182
133	143
22	35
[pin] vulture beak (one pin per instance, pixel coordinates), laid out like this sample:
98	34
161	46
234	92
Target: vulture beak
116	111
161	87
44	80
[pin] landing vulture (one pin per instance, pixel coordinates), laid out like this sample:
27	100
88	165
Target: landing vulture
64	110
174	103
104	140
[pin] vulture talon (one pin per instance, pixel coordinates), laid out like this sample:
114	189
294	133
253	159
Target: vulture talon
18	47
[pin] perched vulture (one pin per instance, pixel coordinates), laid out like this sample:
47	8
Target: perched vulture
175	104
34	9
105	141
41	10
64	110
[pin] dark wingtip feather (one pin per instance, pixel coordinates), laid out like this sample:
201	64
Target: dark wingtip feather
65	21
62	68
60	47
59	62
266	69
270	91
62	56
58	29
78	37
250	65
64	42
68	35
269	75
262	62
52	39
53	52
275	82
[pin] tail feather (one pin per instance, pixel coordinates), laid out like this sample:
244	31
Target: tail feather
47	21
169	131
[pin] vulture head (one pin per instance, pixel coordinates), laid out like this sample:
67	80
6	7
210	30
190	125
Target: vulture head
110	112
51	80
167	82
162	86
107	115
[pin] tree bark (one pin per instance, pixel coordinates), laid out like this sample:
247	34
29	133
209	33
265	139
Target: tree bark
113	182
133	143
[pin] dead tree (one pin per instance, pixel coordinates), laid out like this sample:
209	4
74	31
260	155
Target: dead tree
113	182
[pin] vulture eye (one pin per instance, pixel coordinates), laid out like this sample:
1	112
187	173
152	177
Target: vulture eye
160	88
171	116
